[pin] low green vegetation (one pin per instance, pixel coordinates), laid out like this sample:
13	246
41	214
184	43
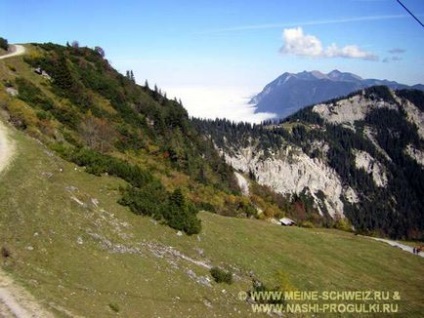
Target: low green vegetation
102	163
4	44
172	208
221	276
99	119
76	249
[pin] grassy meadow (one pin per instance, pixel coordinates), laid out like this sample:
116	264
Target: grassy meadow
83	255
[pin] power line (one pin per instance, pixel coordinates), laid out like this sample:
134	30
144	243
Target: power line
407	10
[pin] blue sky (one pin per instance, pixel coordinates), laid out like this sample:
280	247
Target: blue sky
215	54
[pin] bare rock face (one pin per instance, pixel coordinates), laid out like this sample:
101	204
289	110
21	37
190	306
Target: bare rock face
364	160
416	154
242	183
415	116
347	111
291	171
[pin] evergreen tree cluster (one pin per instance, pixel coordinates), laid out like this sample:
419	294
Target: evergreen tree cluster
99	113
4	44
130	75
144	116
396	210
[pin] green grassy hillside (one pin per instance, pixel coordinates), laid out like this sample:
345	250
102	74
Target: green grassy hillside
73	101
82	254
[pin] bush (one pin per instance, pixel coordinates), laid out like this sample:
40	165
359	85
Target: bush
146	195
307	224
343	224
4	44
5	252
153	200
259	288
114	307
221	276
97	163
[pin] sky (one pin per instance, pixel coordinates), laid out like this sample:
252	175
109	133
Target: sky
215	55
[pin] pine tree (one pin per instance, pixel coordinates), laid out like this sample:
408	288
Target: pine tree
177	198
4	44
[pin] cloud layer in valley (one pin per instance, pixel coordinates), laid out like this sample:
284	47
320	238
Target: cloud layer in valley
213	102
296	42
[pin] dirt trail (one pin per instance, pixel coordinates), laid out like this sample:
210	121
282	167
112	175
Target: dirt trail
16	50
403	247
15	301
7	148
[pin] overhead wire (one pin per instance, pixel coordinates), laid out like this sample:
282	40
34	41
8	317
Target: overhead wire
409	11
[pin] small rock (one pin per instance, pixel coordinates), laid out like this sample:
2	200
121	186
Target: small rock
30	248
12	91
79	240
71	188
179	233
48	175
95	202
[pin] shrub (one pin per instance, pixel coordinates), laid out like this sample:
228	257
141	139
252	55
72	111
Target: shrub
114	307
343	224
221	276
5	252
153	200
307	224
4	44
259	288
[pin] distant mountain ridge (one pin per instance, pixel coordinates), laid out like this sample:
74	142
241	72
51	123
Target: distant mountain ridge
290	92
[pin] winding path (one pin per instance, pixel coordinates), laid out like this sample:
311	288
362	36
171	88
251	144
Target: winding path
7	148
403	247
15	301
16	49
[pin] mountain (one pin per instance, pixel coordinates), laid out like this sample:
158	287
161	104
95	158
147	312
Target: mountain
291	92
359	157
114	203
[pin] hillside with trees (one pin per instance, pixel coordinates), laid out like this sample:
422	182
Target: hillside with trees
71	99
395	209
116	203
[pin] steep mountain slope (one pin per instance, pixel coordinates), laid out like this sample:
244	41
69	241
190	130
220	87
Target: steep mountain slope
359	156
291	92
93	150
83	255
72	99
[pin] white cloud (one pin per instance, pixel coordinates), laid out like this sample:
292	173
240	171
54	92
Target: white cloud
297	43
217	102
349	51
300	44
